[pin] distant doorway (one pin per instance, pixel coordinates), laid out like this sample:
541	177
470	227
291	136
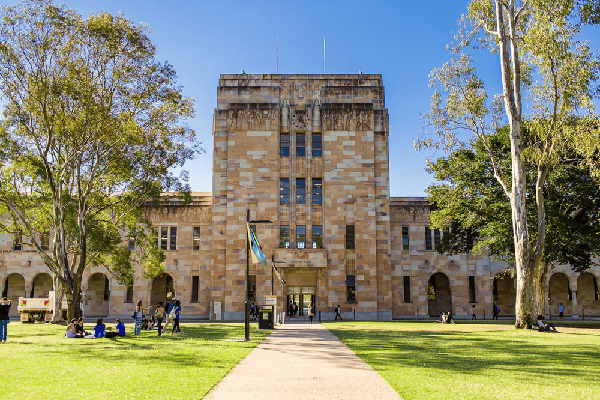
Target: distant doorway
439	295
302	297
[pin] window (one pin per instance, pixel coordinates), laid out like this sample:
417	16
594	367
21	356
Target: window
351	288
436	237
428	238
45	240
350	237
284	191
106	289
164	236
284	145
300	191
300	145
407	289
495	290
472	298
317	191
405	241
284	237
129	294
317	145
173	241
18	241
195	285
317	237
596	292
301	236
251	288
196	238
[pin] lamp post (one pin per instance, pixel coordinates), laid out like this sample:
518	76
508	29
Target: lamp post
247	305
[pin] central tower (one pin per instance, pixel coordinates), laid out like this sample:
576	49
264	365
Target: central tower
310	153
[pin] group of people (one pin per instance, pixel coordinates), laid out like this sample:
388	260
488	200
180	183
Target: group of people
169	313
75	329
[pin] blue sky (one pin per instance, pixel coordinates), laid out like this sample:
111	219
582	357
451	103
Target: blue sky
402	40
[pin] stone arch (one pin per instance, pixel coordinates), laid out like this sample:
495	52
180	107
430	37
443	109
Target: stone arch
13	288
41	285
161	287
439	294
97	297
559	291
504	294
588	294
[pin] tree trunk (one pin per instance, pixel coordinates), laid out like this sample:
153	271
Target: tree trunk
58	296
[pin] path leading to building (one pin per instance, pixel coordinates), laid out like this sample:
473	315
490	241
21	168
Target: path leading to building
304	361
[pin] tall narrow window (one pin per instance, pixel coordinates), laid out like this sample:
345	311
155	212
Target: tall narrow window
317	191
317	236
284	237
300	145
195	287
106	289
45	240
428	238
495	290
436	237
18	241
300	191
129	294
284	191
196	238
284	145
405	241
596	292
252	288
317	145
173	239
407	289
301	236
351	288
350	242
164	237
472	298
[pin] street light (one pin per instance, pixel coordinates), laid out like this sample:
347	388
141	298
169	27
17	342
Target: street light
247	305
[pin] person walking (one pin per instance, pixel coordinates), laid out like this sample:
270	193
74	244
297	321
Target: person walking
337	313
4	319
159	314
495	311
177	312
138	314
561	309
168	316
310	313
473	314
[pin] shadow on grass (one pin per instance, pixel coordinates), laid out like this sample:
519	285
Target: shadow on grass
526	352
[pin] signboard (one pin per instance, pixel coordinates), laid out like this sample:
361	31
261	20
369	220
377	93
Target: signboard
270	300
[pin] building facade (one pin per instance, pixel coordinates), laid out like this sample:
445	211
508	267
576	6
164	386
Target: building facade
307	155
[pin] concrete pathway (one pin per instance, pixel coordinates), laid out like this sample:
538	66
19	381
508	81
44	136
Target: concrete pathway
302	361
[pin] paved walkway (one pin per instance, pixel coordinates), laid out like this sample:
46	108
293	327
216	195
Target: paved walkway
304	361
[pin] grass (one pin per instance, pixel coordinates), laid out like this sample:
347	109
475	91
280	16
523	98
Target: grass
38	362
479	360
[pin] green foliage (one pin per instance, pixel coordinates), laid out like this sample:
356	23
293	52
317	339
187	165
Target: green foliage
94	126
469	198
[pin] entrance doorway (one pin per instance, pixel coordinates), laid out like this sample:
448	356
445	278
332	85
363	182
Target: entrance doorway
302	297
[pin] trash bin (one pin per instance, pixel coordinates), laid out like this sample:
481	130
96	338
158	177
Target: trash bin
266	317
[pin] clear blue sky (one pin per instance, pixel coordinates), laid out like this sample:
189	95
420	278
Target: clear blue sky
402	40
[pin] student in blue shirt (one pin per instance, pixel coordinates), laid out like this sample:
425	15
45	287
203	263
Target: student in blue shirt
120	327
99	328
176	319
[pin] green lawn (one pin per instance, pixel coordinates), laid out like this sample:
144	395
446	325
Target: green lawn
425	360
38	362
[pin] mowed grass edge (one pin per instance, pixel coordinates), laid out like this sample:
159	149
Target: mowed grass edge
425	360
38	362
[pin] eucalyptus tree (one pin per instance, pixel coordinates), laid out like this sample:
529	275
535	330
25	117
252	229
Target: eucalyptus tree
548	77
93	126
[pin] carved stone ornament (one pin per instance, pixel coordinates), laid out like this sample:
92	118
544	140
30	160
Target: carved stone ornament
348	119
301	254
252	117
409	213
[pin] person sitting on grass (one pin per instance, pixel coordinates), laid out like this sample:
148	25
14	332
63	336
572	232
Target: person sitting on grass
79	327
99	328
70	333
120	327
543	326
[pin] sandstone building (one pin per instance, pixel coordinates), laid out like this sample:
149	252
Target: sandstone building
309	153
